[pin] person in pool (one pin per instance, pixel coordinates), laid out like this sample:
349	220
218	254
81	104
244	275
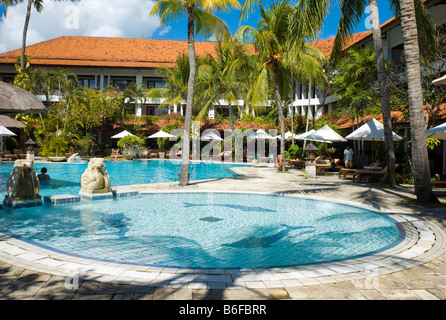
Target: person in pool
43	175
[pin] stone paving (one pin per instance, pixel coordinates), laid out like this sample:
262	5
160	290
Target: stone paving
415	269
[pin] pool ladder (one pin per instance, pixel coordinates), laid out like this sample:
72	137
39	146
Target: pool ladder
178	170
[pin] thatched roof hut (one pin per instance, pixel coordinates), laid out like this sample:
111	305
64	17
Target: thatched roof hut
11	123
15	100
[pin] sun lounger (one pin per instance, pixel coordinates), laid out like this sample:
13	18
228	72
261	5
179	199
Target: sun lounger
366	173
9	156
20	153
438	184
297	163
344	172
322	164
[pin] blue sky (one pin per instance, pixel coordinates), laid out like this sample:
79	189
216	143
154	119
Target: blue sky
125	19
329	30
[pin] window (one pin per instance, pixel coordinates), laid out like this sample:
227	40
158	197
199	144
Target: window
89	82
155	84
122	83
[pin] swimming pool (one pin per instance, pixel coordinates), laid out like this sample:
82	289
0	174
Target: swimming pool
207	230
66	177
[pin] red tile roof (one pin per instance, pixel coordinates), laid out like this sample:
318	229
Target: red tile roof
106	52
326	45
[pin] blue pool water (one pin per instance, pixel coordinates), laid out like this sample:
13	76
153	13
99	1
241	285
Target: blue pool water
66	177
212	230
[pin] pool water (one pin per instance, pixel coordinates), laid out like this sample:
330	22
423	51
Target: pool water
66	177
206	230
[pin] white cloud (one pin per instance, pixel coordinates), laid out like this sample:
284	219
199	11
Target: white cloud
164	30
99	18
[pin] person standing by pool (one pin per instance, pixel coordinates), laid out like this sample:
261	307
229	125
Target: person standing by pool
348	157
43	175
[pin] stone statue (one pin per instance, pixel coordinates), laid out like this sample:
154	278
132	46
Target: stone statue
75	158
95	179
23	185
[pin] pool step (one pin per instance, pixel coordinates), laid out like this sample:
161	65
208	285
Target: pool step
95	196
62	199
124	193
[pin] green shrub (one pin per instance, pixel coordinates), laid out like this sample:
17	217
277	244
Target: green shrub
293	152
130	141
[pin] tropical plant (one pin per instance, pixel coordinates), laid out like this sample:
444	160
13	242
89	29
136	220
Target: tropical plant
176	78
200	20
136	94
280	59
313	13
222	76
95	109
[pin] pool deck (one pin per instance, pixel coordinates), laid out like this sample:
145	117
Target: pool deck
414	269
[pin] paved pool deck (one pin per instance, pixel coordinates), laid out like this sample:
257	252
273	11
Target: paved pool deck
414	269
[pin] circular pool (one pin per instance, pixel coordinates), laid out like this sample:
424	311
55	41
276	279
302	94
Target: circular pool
207	230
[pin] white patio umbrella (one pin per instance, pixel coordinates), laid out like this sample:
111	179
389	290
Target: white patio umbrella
5	131
260	134
441	80
438	132
303	136
210	136
121	135
287	135
325	134
371	131
161	134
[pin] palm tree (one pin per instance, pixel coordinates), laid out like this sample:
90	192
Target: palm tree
38	5
176	78
200	20
222	77
423	187
280	59
313	13
137	94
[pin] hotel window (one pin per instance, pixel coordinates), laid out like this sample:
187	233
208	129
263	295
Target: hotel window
122	83
87	82
155	84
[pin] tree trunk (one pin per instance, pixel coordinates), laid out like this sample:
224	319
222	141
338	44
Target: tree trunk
383	93
421	174
281	118
184	174
25	31
308	112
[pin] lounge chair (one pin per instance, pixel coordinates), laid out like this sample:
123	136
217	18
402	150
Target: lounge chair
337	164
344	172
438	184
297	163
20	153
9	156
322	164
363	173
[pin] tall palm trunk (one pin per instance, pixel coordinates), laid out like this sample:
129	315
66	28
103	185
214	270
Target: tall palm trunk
423	188
281	117
383	92
25	31
184	174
